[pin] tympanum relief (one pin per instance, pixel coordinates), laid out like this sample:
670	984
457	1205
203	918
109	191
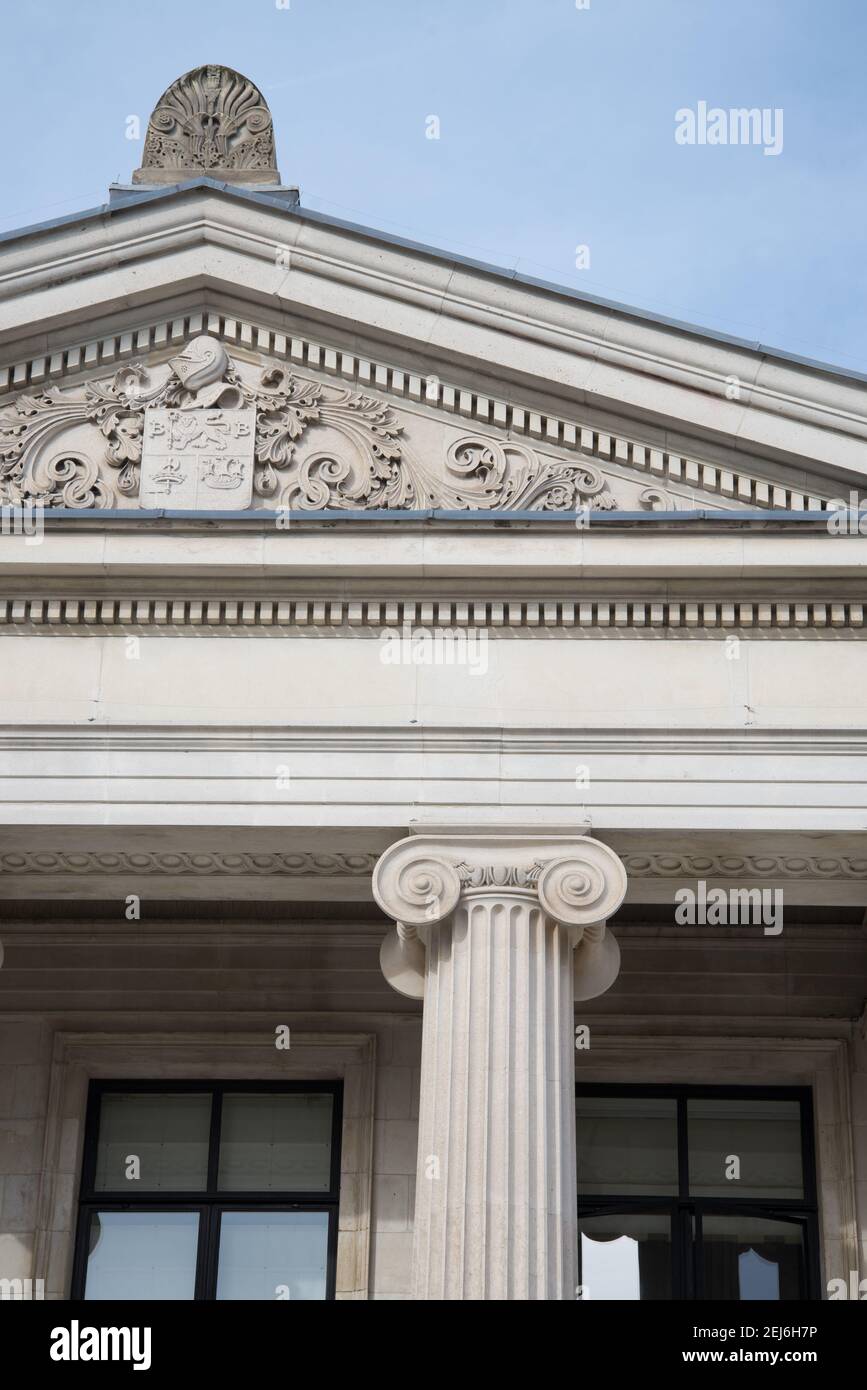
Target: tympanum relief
204	432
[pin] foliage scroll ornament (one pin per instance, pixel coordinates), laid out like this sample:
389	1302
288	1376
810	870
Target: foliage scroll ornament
371	465
35	468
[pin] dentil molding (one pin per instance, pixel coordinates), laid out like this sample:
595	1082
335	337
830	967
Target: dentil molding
419	619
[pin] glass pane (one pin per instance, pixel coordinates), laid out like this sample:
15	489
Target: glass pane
167	1134
627	1146
142	1254
625	1257
756	1142
749	1257
276	1143
273	1255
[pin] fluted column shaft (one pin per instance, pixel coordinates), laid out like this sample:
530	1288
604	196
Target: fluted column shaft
496	933
495	1198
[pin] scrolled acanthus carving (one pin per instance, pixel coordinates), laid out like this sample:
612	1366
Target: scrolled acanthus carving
656	499
75	480
36	468
367	464
510	475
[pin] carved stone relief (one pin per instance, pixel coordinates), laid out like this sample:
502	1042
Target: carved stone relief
198	459
203	432
210	121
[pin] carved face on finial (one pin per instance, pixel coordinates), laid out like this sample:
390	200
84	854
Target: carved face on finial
211	121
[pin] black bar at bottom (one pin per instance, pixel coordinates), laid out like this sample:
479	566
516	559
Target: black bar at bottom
228	1339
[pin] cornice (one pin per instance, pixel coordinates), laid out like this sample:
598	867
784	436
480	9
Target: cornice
435	739
600	353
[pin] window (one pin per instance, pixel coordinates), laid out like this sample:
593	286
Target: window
210	1190
692	1192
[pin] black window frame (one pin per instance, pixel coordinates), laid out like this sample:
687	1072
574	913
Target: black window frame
211	1203
686	1211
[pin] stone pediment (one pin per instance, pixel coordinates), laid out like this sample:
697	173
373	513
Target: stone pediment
213	425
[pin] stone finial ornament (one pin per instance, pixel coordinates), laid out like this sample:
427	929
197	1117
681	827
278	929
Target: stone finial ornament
211	121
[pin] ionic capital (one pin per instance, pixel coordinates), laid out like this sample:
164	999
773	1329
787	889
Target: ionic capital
578	882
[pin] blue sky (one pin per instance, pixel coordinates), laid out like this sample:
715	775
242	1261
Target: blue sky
557	129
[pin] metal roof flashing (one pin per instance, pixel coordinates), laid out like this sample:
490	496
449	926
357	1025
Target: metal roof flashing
704	517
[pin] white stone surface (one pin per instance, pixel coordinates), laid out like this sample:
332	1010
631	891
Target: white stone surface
510	926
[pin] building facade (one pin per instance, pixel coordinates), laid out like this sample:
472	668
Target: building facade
433	819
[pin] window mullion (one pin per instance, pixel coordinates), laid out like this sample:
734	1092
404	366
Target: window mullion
214	1140
201	1289
697	1265
682	1149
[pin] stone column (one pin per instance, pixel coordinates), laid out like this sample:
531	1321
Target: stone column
498	934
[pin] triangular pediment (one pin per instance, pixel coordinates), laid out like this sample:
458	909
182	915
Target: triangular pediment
461	386
311	424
